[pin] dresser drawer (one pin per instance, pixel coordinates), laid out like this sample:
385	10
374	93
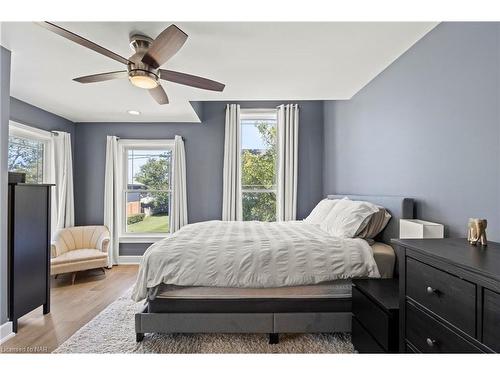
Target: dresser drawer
371	316
491	319
448	296
362	340
430	336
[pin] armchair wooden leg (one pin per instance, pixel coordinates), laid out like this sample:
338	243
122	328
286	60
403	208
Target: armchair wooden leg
55	277
73	277
103	270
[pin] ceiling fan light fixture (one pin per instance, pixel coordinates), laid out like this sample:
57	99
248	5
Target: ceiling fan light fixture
143	79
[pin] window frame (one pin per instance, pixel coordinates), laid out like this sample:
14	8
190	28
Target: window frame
256	114
140	144
19	130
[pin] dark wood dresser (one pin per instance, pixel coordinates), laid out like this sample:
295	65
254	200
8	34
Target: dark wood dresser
449	296
375	305
29	249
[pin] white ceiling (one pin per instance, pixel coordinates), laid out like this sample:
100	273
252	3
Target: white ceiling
256	61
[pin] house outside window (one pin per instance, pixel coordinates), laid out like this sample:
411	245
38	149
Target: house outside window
146	189
258	164
29	152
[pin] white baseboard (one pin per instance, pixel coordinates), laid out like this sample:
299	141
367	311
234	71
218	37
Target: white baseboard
129	259
6	332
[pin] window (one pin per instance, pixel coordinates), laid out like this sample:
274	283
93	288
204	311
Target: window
258	165
29	150
146	189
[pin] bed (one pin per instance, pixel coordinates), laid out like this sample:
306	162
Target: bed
324	306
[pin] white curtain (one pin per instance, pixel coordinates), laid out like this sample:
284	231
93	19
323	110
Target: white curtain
111	195
63	207
287	133
178	208
231	194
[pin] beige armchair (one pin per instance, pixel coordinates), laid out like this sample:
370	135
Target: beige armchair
79	248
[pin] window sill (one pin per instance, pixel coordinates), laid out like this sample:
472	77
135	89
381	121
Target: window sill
142	238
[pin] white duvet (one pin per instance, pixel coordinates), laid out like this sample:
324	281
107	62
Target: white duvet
252	255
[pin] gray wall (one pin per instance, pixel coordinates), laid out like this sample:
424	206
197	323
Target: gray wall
4	136
427	127
204	159
28	114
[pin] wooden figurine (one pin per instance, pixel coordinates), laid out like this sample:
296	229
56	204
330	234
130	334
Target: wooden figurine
477	231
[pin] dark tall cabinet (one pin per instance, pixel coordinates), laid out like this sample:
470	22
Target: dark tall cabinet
29	249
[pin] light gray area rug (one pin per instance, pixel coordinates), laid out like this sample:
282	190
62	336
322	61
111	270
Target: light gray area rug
112	331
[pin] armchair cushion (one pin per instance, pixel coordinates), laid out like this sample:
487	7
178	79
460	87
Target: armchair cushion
78	256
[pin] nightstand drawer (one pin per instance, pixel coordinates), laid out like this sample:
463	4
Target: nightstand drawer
430	336
491	319
371	316
448	296
362	340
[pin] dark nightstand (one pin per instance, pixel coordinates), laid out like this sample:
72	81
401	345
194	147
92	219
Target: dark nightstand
375	307
449	296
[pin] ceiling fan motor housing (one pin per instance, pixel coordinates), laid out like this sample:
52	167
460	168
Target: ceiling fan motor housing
140	74
140	43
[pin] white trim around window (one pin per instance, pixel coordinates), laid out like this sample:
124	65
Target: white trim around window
258	114
145	144
123	146
19	130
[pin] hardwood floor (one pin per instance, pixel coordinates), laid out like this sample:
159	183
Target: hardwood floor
72	306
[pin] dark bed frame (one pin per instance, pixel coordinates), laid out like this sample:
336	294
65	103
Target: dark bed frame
265	315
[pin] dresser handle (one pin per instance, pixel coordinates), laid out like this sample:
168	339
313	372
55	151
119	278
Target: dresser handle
431	290
431	342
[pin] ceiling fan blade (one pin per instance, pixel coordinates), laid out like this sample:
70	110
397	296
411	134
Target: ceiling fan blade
159	94
191	80
82	41
165	46
102	77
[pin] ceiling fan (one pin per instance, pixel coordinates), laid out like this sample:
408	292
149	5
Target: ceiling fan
143	67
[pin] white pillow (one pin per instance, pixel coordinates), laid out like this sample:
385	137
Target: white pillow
374	224
319	213
347	217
